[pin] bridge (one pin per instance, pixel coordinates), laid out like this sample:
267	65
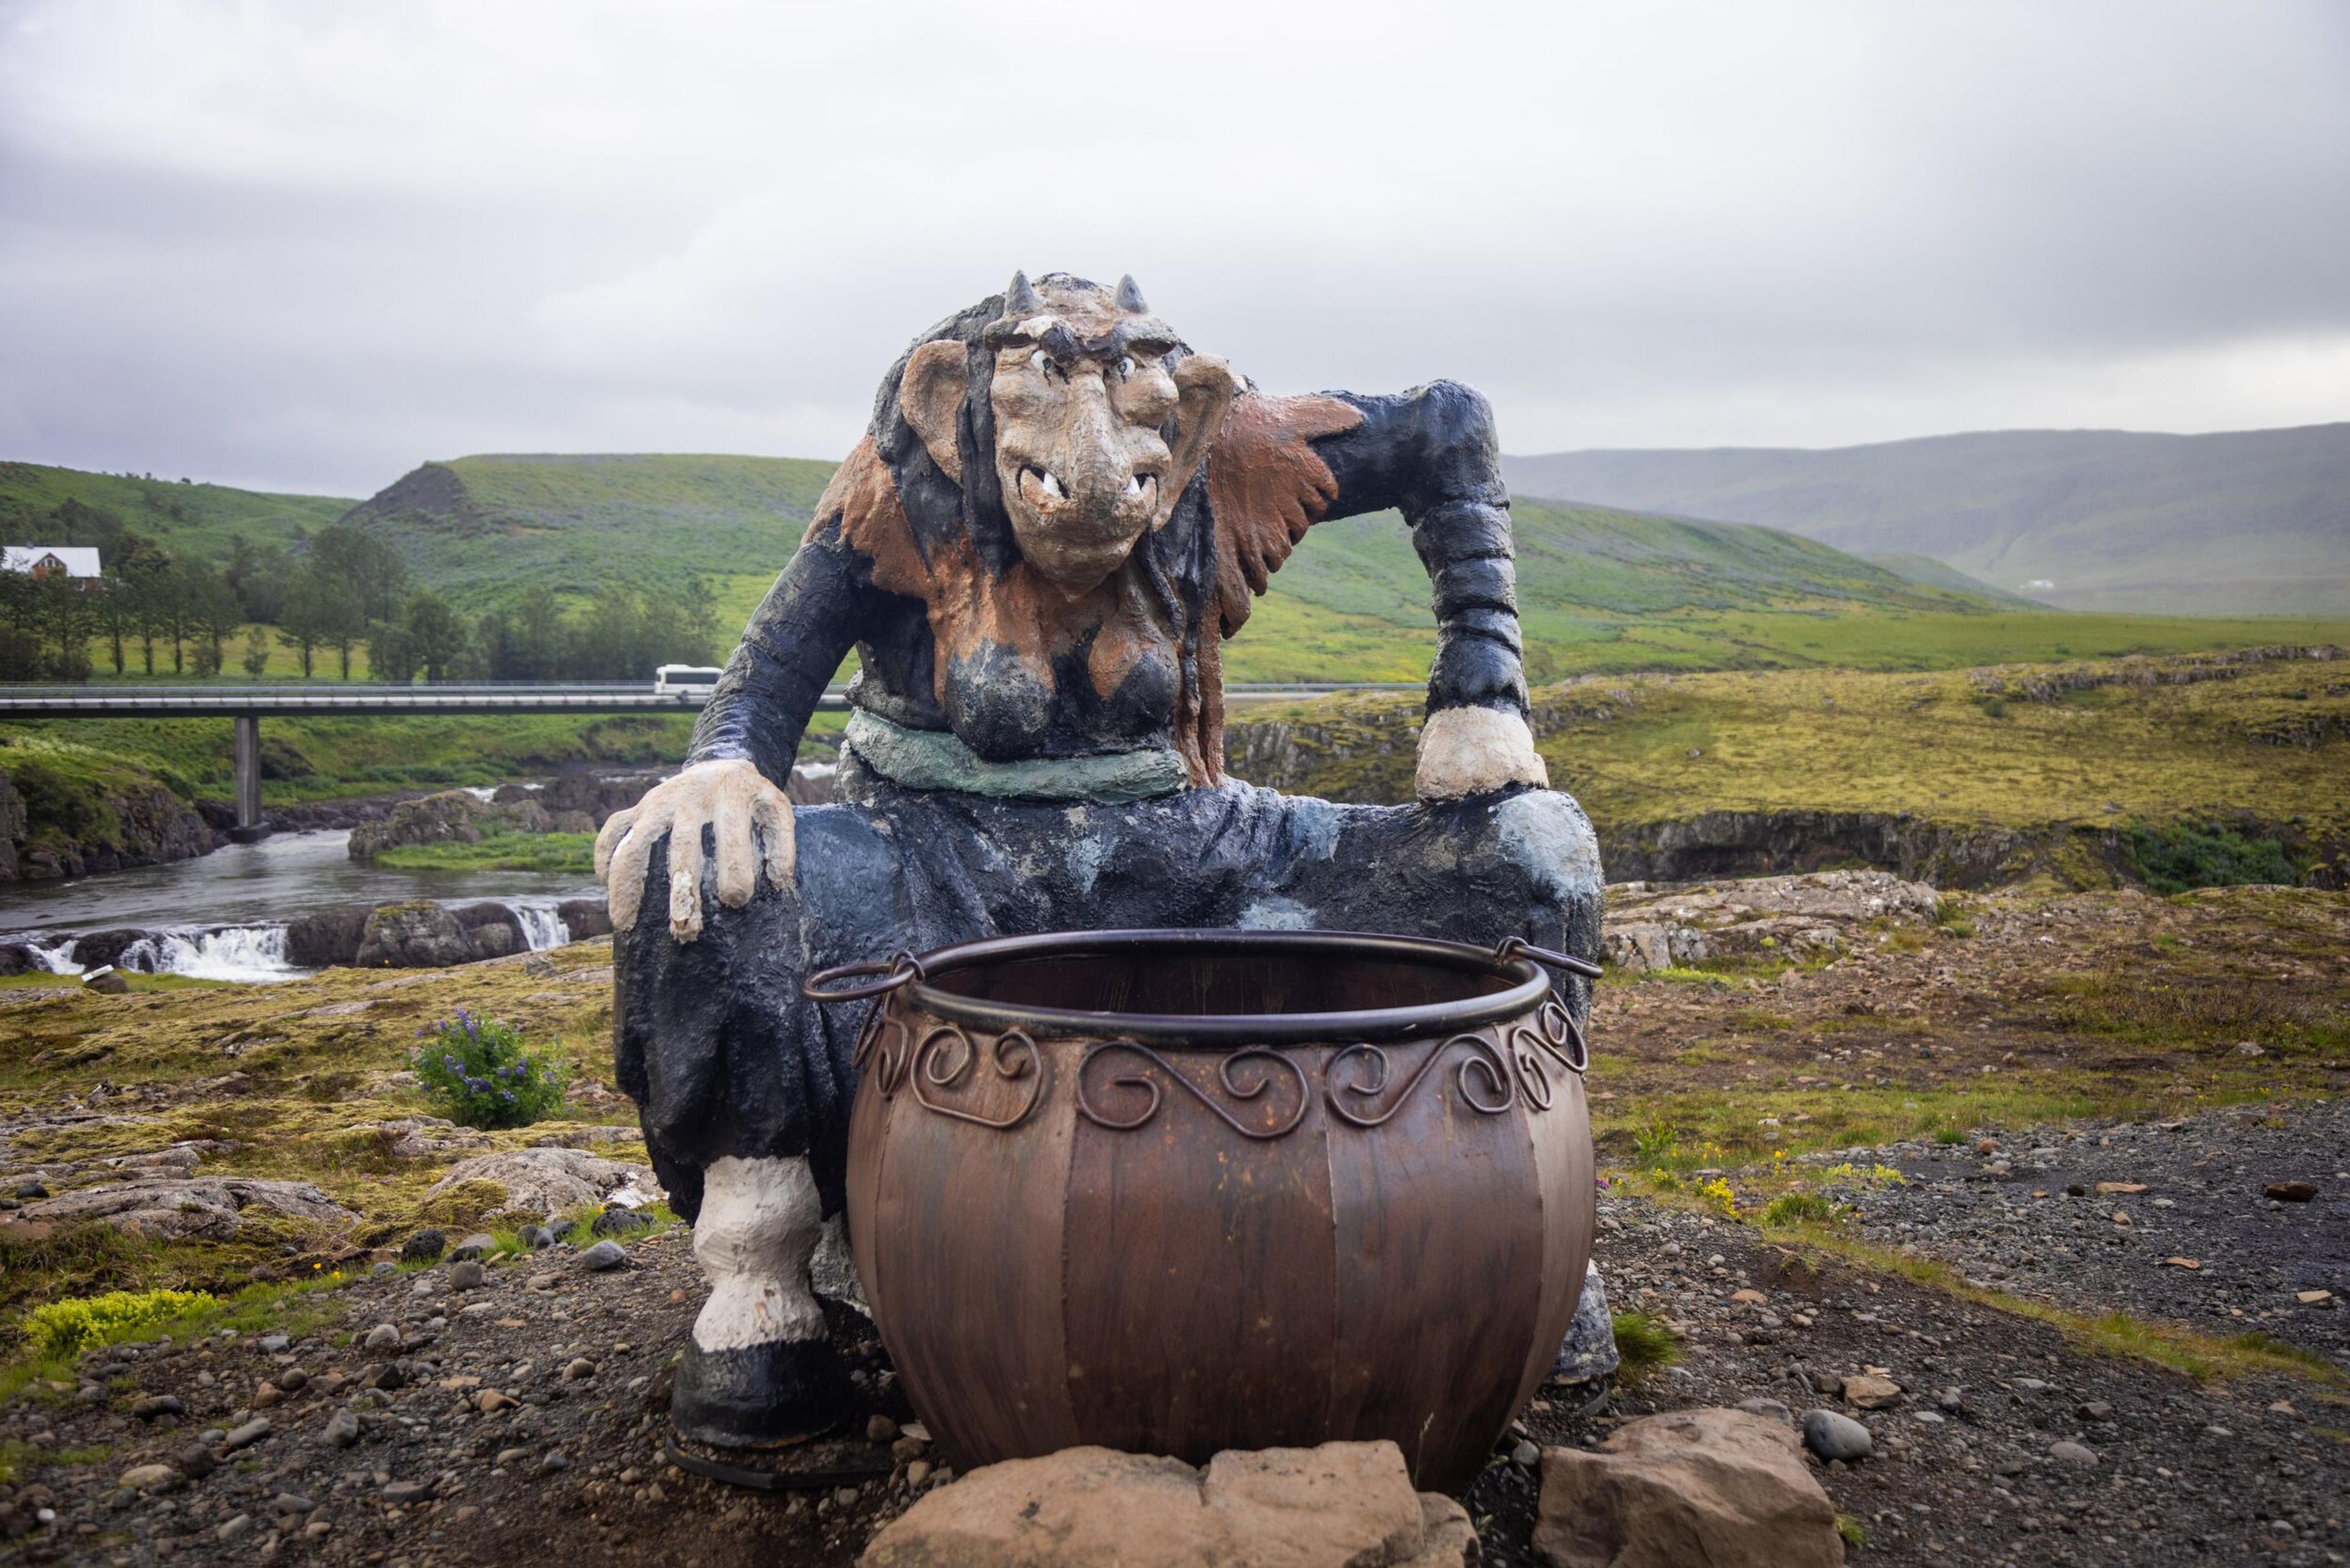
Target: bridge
248	704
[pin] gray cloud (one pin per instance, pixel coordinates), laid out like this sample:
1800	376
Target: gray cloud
310	246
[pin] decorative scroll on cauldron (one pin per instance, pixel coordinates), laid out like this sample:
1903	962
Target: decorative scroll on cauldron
1179	1192
1489	1077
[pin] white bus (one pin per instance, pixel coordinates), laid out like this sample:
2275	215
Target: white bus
672	679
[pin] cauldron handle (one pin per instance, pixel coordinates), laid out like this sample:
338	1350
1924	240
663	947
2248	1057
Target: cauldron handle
896	969
1511	947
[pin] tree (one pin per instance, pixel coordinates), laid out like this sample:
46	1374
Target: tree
71	618
256	651
391	657
309	621
23	656
372	568
435	634
261	575
345	620
215	614
176	612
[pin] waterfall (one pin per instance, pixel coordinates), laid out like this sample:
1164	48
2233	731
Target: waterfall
56	958
541	926
231	952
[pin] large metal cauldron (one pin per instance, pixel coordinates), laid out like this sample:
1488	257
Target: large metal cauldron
1179	1192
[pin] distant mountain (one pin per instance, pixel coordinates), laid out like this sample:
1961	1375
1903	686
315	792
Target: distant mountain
487	526
1942	575
2244	522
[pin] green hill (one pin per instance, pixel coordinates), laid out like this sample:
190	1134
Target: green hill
484	528
187	519
2236	523
1600	590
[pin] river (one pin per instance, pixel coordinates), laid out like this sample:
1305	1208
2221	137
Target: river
246	894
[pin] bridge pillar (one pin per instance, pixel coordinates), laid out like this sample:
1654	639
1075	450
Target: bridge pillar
249	829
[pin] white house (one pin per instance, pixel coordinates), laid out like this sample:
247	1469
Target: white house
52	560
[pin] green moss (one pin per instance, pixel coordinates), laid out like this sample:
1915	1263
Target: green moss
499	851
68	1327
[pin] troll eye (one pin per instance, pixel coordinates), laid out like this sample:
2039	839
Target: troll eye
1045	364
1125	367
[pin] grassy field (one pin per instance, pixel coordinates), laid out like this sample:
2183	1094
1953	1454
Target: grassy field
499	851
302	1090
1942	745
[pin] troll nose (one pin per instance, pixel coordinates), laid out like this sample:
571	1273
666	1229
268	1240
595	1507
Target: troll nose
1097	476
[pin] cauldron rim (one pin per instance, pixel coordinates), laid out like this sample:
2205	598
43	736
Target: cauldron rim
1223	1031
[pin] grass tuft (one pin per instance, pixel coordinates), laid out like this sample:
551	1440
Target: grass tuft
1646	1345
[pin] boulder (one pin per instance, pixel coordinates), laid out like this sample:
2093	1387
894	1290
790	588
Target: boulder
1718	1487
15	957
1342	1505
99	949
451	817
570	822
496	940
416	935
1589	1352
488	912
585	918
181	1208
595	797
521	816
549	1180
1833	1435
327	936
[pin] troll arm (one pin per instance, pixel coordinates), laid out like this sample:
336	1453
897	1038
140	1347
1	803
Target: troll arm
1283	464
1431	454
743	745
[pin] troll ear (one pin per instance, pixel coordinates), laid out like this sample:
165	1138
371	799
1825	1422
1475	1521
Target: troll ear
1205	387
931	397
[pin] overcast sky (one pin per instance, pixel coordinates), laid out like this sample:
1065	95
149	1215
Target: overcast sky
307	245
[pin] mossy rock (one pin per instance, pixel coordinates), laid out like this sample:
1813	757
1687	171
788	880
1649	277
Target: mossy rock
465	1205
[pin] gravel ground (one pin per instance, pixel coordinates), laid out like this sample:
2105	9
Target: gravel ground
1962	1472
2164	1220
572	1466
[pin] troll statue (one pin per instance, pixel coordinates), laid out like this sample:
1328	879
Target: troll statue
1057	515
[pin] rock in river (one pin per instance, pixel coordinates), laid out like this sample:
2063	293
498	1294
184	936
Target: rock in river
415	935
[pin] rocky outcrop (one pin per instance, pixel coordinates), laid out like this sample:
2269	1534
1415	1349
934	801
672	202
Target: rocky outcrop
585	918
101	948
450	816
2042	683
1651	927
178	1208
491	929
551	1179
1719	1487
1342	1505
591	795
97	829
418	935
1774	843
327	936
